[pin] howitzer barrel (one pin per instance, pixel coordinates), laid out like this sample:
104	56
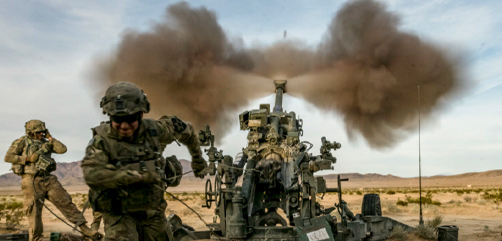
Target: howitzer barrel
280	89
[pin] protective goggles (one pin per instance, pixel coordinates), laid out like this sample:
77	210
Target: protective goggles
126	118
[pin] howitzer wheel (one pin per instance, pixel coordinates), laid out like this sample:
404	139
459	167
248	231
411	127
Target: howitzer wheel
217	190
371	205
208	194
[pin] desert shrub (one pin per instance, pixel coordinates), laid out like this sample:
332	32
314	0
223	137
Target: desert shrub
451	202
425	200
401	203
391	192
399	234
359	193
393	208
425	232
13	213
186	212
435	222
468	199
486	229
496	196
460	192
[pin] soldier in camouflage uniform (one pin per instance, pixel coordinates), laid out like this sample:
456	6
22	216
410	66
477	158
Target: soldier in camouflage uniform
31	159
124	166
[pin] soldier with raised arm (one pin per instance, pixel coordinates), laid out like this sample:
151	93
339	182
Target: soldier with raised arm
31	159
125	169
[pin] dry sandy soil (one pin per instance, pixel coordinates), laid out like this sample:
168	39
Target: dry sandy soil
476	217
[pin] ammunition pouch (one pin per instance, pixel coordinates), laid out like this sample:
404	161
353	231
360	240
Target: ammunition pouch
173	171
140	196
46	164
106	201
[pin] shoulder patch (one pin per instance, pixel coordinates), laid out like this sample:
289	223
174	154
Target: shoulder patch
94	142
153	132
179	125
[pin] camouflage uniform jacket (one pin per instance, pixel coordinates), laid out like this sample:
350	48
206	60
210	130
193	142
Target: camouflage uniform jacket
110	160
22	148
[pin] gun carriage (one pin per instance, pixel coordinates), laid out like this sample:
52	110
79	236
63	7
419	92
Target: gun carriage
277	198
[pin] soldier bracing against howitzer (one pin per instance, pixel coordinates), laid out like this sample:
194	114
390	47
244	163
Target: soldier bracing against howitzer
125	169
31	159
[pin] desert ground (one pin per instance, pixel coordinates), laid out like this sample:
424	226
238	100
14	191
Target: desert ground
469	207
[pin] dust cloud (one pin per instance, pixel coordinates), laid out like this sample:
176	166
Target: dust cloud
369	71
187	67
364	68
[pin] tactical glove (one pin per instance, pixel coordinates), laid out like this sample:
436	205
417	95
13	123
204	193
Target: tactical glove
47	134
151	177
199	166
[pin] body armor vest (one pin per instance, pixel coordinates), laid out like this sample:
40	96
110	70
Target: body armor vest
45	162
143	156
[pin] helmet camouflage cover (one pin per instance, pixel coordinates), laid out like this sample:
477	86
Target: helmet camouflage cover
33	126
124	98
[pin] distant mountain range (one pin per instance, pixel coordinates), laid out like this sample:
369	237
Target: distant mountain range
373	180
70	174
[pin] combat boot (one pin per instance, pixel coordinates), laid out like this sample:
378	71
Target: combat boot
90	234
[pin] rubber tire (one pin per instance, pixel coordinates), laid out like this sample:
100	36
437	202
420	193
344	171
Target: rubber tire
371	205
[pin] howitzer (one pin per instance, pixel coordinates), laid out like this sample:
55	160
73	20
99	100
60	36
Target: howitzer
277	173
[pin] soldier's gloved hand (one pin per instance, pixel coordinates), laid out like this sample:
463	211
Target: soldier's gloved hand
128	177
151	177
48	134
199	166
34	157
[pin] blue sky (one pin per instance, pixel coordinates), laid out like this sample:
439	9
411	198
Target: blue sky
47	50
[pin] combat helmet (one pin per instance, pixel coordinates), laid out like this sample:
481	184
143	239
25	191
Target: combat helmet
34	126
124	98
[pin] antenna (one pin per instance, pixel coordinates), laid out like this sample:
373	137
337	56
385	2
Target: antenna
421	222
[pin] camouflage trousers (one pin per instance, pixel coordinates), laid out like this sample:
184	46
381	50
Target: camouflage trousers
135	227
35	192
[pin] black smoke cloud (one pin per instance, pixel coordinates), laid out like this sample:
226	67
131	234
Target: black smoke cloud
365	69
